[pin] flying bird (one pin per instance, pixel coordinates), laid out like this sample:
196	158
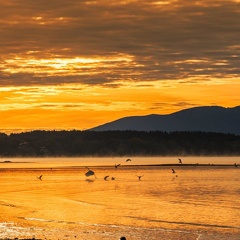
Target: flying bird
173	171
180	160
128	160
89	173
105	178
139	177
117	165
40	177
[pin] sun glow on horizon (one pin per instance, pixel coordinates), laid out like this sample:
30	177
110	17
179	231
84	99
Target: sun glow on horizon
81	64
78	106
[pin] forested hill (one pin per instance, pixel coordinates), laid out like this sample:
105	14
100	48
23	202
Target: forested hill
205	119
117	143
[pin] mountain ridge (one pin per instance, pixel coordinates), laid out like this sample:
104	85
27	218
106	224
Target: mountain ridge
204	118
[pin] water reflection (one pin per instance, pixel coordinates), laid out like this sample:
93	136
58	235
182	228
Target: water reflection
67	202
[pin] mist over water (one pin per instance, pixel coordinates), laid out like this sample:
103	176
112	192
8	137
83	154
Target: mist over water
110	161
195	202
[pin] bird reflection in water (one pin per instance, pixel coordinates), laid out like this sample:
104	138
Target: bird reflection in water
89	180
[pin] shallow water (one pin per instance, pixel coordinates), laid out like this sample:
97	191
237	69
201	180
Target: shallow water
197	202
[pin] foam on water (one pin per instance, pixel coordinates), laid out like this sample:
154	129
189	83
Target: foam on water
11	230
90	231
93	231
102	232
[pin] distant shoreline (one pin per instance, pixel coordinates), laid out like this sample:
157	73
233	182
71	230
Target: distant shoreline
6	162
118	143
132	165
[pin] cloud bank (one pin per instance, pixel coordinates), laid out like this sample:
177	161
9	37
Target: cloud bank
108	42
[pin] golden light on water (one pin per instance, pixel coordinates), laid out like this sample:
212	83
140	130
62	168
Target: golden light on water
65	203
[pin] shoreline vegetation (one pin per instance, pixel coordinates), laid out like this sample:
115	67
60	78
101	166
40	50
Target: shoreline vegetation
117	143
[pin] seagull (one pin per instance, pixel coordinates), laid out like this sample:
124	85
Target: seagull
173	171
139	177
89	173
128	160
180	160
117	165
105	178
40	177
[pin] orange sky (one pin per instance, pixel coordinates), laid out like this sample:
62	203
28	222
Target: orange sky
78	64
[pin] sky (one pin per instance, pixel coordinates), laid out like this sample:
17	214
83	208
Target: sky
77	64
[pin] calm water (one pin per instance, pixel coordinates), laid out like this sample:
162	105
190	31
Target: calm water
201	202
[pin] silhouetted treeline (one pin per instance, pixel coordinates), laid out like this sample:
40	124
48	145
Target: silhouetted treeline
117	143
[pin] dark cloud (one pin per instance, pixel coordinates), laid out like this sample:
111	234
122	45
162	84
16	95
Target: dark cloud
173	40
158	105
